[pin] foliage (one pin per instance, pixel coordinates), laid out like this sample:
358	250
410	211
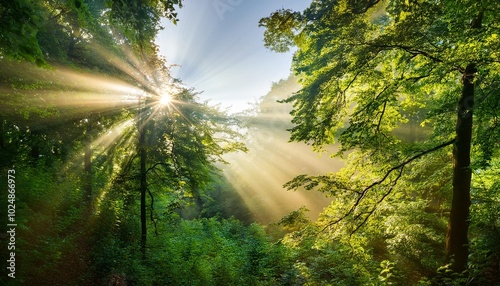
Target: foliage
280	28
19	24
57	30
46	126
49	215
187	140
195	252
370	69
139	21
380	77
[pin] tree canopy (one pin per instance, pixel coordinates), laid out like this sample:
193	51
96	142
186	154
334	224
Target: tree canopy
369	70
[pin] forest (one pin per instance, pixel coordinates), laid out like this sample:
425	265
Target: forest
376	162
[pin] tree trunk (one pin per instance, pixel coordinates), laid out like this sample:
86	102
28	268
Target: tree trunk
457	249
88	169
143	184
457	243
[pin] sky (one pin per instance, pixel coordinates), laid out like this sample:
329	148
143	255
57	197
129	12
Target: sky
219	49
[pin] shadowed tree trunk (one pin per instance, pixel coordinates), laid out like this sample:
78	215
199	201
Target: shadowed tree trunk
457	243
143	182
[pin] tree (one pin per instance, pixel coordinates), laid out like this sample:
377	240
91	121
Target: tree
56	29
179	143
367	66
139	21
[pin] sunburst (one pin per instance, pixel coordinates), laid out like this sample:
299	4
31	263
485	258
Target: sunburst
165	99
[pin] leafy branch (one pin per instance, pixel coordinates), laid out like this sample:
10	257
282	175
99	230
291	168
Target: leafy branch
399	167
311	182
378	202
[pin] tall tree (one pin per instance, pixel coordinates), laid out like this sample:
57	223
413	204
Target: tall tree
367	66
178	146
143	183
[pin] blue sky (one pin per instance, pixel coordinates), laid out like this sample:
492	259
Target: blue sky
219	49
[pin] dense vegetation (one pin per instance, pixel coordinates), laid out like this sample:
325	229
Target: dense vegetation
372	69
116	184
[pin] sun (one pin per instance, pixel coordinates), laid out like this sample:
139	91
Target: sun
165	99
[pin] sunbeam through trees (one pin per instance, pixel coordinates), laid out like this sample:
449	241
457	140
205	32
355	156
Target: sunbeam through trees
375	161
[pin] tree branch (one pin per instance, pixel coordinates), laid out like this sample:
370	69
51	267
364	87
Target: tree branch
379	201
372	102
156	165
152	211
378	182
381	116
412	51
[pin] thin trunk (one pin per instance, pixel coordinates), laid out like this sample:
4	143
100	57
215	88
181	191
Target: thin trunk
143	184
457	248
88	169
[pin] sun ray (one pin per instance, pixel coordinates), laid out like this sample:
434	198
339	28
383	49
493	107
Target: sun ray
259	175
